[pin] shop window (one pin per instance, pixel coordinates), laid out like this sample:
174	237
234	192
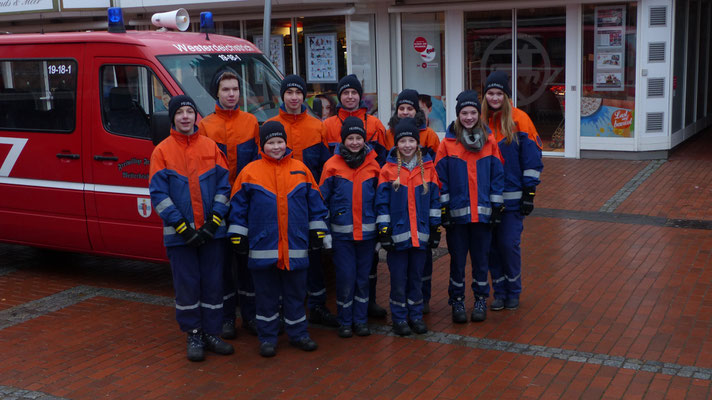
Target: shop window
423	63
363	57
280	42
608	69
38	95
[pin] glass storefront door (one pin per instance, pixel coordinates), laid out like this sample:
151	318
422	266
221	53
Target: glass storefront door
540	60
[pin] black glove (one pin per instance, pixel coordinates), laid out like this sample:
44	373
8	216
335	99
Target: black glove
209	228
239	244
528	200
434	239
384	237
316	239
445	216
191	237
496	217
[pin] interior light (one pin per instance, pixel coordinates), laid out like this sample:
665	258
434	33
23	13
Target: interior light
116	20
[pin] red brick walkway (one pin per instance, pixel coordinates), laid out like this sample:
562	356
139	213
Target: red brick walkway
609	309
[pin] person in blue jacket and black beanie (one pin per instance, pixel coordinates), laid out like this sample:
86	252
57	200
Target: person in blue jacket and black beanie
521	147
408	219
277	216
348	184
190	191
470	170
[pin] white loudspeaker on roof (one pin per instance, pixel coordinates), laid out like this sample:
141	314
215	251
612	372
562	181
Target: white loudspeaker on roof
176	19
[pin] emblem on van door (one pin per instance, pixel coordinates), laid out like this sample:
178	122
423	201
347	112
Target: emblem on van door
144	207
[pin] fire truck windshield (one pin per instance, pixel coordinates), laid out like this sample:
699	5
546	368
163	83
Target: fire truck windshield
259	80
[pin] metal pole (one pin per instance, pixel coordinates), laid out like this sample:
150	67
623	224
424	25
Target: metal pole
266	28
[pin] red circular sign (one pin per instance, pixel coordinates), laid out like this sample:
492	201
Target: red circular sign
420	44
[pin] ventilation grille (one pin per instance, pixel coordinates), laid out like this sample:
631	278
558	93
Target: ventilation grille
656	52
658	16
656	87
654	122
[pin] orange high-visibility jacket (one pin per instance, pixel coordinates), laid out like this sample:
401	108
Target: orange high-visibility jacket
375	131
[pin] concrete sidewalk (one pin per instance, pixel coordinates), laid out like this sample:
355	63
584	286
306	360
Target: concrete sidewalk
617	303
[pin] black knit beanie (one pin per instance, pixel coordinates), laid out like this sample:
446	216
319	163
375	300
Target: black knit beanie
293	81
467	98
215	85
408	96
498	80
350	82
350	126
406	127
269	130
178	102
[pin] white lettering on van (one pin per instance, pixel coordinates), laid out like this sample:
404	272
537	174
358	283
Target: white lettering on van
241	48
17	145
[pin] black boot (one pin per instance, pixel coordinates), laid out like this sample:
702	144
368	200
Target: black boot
216	345
267	349
376	311
250	326
304	343
228	329
321	315
195	345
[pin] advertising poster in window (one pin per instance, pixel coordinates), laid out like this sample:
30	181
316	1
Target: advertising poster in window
607	117
609	49
321	58
276	50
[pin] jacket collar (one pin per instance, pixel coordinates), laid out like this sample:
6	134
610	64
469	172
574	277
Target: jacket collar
226	113
292	117
392	156
185	139
287	155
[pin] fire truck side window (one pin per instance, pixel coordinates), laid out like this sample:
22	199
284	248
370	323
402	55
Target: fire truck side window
38	95
130	94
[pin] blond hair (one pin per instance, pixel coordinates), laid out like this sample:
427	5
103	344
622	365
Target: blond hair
419	155
506	122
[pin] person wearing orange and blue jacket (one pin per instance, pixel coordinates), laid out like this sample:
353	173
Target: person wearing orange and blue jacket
277	215
189	189
305	137
408	218
350	95
348	185
521	147
471	175
236	133
408	106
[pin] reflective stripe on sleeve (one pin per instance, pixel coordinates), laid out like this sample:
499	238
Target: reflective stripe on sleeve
238	230
512	195
221	198
484	210
169	230
496	198
435	212
444	198
383	219
317	225
460	212
165	203
532	173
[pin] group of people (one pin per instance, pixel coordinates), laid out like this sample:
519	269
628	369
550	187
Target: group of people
277	203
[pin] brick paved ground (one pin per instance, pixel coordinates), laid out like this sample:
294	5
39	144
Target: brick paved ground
617	304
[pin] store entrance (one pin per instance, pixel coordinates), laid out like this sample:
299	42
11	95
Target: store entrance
537	60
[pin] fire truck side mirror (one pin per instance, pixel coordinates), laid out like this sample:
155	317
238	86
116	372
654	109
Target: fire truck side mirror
160	126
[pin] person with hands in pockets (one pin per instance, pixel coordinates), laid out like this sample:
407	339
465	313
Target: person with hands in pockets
277	216
521	147
190	191
348	184
408	218
469	167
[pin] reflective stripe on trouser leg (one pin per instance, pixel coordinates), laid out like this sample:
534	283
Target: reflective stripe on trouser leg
186	282
456	238
267	292
414	291
507	245
398	267
294	289
479	237
315	280
245	288
345	271
373	277
427	275
229	289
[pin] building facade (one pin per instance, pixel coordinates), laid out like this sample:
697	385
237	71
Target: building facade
620	79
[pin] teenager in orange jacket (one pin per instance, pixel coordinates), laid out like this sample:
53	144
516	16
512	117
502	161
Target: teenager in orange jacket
189	190
236	132
348	185
350	94
305	138
277	215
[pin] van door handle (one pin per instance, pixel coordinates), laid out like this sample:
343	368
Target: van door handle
70	156
106	158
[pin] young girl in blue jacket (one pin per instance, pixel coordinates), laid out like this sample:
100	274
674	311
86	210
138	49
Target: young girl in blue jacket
520	146
348	184
470	171
408	218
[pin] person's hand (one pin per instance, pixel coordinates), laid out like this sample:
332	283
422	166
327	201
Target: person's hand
190	236
239	244
316	239
445	216
496	217
434	239
209	228
527	204
385	239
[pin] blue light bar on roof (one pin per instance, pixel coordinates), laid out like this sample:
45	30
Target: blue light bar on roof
206	22
116	20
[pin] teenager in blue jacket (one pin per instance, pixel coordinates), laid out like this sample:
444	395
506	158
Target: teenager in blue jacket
277	215
348	184
470	171
408	219
189	189
520	146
